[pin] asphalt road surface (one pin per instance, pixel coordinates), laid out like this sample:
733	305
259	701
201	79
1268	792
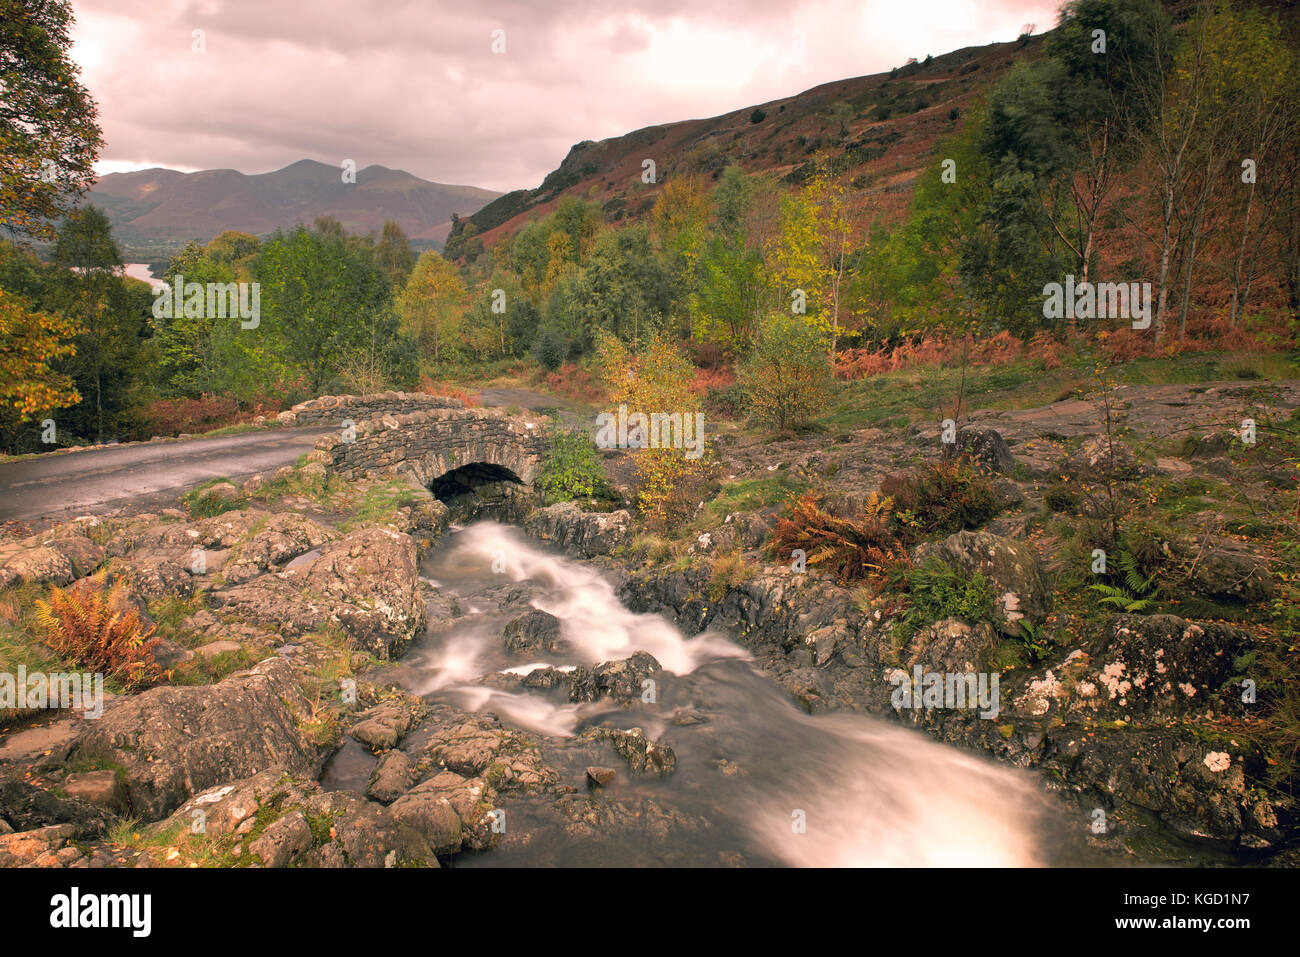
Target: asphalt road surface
51	487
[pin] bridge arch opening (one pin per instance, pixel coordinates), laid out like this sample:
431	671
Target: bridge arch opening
479	490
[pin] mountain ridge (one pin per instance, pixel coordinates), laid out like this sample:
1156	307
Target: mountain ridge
164	207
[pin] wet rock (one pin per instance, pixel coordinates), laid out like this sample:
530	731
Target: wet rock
534	630
601	777
592	817
342	829
364	834
478	746
473	801
641	755
383	726
428	810
624	680
391	778
811	688
544	679
582	533
687	717
174	742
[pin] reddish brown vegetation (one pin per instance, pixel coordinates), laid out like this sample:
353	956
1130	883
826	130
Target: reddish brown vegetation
572	381
930	350
853	549
99	628
176	416
429	387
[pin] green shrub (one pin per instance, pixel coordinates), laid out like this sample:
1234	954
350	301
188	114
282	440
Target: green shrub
727	400
788	376
940	498
937	591
572	469
1136	591
550	348
205	501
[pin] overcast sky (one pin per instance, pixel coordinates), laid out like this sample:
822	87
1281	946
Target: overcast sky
415	84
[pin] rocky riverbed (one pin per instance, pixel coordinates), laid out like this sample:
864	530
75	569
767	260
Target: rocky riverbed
354	682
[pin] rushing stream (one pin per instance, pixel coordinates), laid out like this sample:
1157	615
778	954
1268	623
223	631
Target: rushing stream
749	762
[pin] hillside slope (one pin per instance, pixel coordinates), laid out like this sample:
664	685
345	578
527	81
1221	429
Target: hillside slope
879	129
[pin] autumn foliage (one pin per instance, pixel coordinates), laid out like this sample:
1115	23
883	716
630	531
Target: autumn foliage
31	343
852	549
96	626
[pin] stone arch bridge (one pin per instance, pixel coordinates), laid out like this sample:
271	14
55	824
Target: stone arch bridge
433	441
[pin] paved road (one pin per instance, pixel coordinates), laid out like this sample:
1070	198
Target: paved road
56	486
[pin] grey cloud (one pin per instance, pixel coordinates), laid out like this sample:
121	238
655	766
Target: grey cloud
415	86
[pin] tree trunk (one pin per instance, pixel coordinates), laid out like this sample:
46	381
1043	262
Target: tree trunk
1237	298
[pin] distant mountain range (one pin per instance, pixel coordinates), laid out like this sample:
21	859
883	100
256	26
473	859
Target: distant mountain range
158	209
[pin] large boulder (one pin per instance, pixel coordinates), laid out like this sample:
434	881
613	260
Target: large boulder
365	834
39	564
285	536
58	557
950	647
532	631
279	819
984	448
1227	570
1021	588
578	532
391	778
624	680
477	746
383	726
366	583
1148	667
451	811
171	743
